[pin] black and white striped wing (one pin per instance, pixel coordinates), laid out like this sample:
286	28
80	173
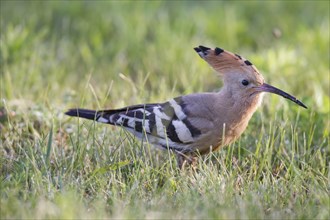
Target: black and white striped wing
165	124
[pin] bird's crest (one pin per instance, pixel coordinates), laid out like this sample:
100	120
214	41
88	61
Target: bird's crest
224	61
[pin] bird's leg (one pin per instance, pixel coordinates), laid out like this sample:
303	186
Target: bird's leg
186	160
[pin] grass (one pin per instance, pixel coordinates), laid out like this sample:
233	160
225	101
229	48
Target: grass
55	55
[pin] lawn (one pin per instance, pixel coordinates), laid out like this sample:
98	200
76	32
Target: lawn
56	55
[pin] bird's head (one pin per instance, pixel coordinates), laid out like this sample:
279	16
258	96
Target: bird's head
239	74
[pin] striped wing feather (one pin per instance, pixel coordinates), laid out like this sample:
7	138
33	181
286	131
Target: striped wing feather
164	124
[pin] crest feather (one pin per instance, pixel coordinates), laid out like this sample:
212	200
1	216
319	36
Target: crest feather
224	61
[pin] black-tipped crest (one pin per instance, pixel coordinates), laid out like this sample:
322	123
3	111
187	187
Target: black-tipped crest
248	63
238	56
197	49
218	50
202	51
204	48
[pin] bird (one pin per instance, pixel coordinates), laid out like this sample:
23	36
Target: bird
199	123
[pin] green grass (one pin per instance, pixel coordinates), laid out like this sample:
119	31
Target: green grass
56	55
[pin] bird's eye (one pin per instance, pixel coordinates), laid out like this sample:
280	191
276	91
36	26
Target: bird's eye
245	82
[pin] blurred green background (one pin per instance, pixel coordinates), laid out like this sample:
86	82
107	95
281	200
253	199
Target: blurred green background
56	55
57	46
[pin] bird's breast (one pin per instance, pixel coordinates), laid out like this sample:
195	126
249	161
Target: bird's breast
233	121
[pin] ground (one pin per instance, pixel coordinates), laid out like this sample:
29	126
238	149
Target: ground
57	55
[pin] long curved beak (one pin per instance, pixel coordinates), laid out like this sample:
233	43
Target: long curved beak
268	88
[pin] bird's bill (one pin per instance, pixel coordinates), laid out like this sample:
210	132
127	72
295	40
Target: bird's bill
268	88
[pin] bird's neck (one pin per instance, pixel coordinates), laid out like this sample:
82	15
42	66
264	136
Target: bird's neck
234	112
242	106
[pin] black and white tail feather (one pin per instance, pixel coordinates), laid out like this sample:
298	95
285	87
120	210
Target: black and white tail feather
162	124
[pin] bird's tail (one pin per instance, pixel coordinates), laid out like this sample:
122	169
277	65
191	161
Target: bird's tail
103	116
83	113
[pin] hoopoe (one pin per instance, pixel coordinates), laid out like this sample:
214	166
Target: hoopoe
196	124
